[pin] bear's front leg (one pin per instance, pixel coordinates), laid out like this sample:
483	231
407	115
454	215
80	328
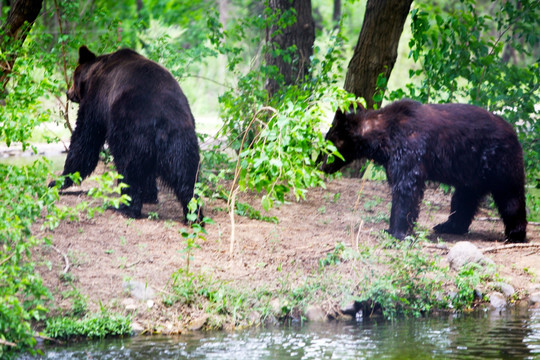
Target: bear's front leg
86	142
406	196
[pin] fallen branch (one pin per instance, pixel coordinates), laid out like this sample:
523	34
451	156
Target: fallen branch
511	246
437	247
66	260
494	219
39	336
7	343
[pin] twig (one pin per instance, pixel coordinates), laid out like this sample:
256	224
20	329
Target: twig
511	246
7	343
234	189
7	259
66	269
358	234
232	200
436	246
39	336
133	264
364	178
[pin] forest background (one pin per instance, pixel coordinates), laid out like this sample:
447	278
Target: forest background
258	82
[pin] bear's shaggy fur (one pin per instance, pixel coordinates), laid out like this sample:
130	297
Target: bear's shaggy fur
138	108
461	145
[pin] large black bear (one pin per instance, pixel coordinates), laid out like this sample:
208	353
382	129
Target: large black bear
461	145
138	107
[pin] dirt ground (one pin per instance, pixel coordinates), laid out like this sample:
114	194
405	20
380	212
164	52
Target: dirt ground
108	250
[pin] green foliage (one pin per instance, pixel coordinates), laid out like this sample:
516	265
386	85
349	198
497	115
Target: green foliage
215	297
467	281
107	194
332	258
196	232
22	294
485	56
412	284
278	139
94	326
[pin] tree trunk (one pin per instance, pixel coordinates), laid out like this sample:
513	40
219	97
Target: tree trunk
21	16
376	50
336	14
292	65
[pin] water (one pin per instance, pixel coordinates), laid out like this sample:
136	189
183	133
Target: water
512	334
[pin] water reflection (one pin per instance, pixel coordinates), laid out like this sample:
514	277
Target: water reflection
511	334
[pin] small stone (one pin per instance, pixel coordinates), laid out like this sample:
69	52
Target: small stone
506	289
137	328
315	314
198	323
150	303
139	290
464	252
129	304
534	298
497	300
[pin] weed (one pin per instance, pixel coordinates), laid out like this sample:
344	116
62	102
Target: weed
332	258
94	326
152	215
467	281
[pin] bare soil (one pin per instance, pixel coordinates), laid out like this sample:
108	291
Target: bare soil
108	250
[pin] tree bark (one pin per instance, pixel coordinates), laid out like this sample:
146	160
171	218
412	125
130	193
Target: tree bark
21	16
376	50
336	14
300	34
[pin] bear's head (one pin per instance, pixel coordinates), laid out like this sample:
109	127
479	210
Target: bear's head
78	89
342	134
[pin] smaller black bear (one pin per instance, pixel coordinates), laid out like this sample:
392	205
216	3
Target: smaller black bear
461	145
138	107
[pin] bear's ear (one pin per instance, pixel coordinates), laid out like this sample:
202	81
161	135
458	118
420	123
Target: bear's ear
85	55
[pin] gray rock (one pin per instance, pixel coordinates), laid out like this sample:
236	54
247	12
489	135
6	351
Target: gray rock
497	300
506	289
534	298
464	252
315	313
137	328
139	290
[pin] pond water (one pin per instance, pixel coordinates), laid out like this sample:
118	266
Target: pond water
510	334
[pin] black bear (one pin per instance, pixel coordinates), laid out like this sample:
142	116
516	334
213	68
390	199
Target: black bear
461	145
138	108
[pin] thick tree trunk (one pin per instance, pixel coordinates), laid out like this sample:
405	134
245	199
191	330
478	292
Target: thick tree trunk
21	16
292	65
376	50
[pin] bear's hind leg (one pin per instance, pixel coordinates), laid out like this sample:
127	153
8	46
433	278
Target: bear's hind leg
462	210
178	169
511	205
138	170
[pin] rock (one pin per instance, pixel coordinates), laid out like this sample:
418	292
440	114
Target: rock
534	298
351	309
137	328
497	300
464	252
198	323
130	304
506	289
315	314
139	290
